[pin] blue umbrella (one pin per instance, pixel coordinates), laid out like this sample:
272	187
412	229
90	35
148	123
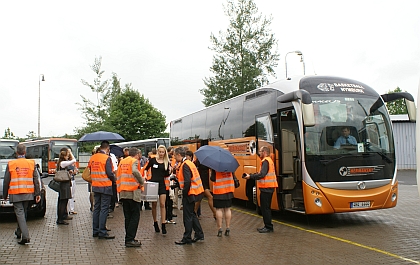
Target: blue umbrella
101	136
217	158
116	150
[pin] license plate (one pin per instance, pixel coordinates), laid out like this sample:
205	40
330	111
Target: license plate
5	203
360	204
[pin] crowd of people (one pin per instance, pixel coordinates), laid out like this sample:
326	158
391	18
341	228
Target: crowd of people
120	181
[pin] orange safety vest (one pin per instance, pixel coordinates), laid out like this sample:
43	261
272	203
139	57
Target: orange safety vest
196	187
224	183
125	178
270	180
21	176
98	172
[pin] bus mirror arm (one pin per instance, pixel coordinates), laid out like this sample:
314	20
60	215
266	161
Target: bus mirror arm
408	99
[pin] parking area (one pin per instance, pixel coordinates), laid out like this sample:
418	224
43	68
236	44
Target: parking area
372	237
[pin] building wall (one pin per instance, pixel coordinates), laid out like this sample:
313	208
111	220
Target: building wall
405	144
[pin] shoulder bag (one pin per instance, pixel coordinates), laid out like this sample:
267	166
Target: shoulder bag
62	176
86	175
54	185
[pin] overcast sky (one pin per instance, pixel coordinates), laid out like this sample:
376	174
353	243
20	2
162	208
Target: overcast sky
161	48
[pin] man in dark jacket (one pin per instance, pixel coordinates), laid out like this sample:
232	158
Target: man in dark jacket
20	193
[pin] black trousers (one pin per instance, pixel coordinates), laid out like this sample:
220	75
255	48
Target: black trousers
191	221
114	197
132	217
61	209
168	206
265	200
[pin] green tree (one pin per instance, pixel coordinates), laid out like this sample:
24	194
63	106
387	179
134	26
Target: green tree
97	114
8	134
134	117
244	57
397	106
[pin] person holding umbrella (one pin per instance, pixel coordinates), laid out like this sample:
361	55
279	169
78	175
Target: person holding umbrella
102	177
223	188
267	182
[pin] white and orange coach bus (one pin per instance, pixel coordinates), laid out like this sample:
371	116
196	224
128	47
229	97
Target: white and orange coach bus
49	150
300	119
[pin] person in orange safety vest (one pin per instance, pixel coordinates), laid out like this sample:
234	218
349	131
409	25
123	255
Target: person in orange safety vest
21	184
100	165
128	181
267	183
192	191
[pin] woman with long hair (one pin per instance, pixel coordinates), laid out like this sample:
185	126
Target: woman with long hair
65	161
160	169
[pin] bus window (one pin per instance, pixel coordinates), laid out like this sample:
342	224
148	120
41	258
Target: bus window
264	128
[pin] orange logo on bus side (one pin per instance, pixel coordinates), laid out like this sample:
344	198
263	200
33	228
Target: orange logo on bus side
359	171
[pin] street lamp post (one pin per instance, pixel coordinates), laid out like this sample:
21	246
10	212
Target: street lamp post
41	78
301	60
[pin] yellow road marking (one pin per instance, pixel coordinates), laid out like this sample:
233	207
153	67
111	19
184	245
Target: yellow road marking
333	237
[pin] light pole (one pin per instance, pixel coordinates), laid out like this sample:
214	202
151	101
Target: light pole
41	78
301	60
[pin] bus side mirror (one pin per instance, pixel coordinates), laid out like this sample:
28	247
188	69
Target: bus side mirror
411	109
308	114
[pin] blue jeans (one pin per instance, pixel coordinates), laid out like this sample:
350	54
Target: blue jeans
100	213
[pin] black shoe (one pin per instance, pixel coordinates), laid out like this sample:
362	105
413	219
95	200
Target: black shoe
107	229
148	208
18	233
196	239
163	229
265	230
155	224
23	241
219	233
68	218
227	232
62	223
95	235
133	244
183	242
107	236
174	215
110	216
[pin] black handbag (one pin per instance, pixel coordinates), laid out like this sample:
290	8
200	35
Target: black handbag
236	180
54	185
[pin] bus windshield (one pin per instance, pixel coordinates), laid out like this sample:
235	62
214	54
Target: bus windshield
8	149
349	125
57	145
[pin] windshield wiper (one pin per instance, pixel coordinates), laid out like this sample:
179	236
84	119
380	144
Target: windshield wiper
387	159
327	162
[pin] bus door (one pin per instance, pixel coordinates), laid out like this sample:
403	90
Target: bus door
265	137
290	180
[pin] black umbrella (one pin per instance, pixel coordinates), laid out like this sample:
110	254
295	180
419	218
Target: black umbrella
116	150
101	136
217	158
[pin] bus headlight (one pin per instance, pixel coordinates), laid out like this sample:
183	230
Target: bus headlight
318	202
393	197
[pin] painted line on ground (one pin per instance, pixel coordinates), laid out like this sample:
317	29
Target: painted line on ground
333	237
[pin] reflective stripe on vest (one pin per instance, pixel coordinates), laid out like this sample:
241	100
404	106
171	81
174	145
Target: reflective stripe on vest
224	183
125	178
167	182
97	165
21	176
196	184
270	180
